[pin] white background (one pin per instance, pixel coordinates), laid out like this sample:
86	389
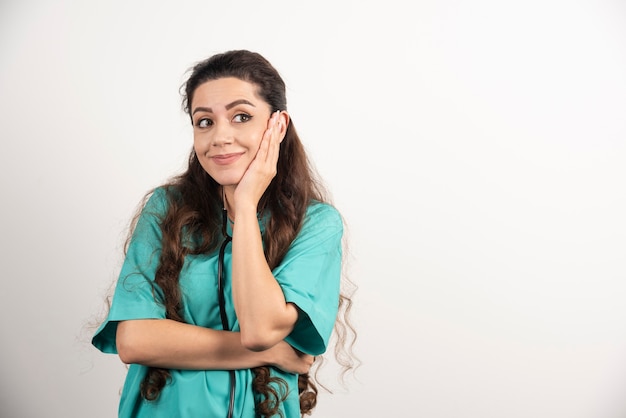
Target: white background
476	148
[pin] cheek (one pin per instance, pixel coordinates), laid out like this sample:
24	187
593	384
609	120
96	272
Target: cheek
200	149
200	145
253	137
255	142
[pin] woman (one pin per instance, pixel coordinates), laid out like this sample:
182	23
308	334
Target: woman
217	327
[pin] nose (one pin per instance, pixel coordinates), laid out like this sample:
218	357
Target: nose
223	134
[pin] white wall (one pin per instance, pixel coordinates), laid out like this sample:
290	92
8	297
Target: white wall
477	150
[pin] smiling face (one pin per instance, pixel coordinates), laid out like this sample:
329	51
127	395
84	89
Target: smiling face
229	120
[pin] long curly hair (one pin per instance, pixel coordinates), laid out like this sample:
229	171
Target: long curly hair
194	209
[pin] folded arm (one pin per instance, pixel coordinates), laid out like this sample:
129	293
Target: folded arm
175	345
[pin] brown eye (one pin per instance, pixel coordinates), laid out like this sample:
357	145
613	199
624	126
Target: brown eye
204	123
242	117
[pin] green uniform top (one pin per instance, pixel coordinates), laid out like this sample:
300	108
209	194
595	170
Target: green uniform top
309	276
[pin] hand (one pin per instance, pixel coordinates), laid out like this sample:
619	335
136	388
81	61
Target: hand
262	169
290	360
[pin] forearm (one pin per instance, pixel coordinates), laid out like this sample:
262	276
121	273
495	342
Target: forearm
264	316
175	345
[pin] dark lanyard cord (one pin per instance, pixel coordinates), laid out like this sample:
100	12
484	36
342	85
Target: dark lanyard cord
222	303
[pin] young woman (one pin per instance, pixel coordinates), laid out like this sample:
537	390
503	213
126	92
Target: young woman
231	281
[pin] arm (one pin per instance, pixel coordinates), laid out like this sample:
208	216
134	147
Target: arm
308	277
175	345
265	318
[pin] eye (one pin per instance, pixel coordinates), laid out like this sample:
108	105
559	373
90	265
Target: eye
241	117
204	123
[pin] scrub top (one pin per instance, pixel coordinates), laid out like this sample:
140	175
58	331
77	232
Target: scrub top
309	276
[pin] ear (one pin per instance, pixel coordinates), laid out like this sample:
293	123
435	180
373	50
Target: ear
283	123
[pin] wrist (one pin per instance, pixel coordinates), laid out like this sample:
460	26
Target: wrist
246	211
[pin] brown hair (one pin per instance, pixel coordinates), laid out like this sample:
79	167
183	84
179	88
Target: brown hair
195	208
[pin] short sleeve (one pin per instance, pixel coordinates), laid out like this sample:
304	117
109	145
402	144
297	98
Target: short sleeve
310	276
136	295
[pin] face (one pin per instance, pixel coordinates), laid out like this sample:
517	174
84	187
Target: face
229	120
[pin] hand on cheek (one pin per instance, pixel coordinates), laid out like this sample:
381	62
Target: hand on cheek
262	169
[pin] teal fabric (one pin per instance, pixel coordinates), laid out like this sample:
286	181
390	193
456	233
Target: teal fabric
309	276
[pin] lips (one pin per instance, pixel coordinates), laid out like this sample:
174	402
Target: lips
225	159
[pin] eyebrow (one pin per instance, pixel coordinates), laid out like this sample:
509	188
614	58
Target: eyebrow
228	106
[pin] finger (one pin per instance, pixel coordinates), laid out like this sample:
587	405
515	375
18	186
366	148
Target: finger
273	138
264	145
261	154
274	145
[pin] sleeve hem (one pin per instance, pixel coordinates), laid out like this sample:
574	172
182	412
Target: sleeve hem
309	335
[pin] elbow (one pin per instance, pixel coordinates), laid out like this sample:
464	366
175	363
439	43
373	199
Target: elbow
126	353
126	349
262	335
258	341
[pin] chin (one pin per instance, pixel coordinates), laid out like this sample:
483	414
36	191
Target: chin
223	180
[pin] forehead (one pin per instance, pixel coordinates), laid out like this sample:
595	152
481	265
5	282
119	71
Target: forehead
222	91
